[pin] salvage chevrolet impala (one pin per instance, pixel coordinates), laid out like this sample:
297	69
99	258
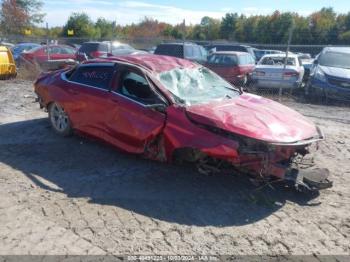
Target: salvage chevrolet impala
170	109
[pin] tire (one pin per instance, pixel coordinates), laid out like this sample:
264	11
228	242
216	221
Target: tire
59	120
313	96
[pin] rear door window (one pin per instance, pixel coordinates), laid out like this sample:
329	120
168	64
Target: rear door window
94	76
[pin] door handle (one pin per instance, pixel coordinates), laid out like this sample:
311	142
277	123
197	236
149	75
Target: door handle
73	92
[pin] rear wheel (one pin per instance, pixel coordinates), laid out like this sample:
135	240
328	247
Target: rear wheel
59	120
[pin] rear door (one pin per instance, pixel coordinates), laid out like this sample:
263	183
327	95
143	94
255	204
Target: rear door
89	91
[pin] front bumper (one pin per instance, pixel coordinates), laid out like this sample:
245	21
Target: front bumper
321	88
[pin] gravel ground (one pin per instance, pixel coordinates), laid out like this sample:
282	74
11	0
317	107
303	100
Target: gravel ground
77	196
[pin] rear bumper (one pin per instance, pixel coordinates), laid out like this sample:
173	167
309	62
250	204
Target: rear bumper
268	83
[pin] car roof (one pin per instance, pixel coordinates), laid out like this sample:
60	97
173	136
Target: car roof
93	42
229	53
281	55
154	63
337	49
228	44
25	44
179	43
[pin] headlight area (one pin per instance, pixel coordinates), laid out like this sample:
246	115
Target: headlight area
266	162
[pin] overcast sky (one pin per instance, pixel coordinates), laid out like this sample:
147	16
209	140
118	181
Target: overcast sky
126	12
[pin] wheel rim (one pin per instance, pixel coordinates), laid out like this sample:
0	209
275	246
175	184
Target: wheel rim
59	118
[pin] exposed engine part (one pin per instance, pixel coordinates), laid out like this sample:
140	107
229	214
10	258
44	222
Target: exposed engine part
309	179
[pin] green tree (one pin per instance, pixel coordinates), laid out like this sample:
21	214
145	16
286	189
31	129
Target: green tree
228	26
210	28
17	15
322	24
82	26
106	28
33	10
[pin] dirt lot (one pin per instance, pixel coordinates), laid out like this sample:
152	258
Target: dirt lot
77	196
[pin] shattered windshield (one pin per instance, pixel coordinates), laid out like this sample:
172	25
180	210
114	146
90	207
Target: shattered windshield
197	85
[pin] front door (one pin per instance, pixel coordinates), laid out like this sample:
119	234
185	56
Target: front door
132	124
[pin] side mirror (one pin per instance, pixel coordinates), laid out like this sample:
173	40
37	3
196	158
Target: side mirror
157	107
315	62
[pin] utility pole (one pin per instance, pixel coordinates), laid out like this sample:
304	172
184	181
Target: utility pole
47	42
291	31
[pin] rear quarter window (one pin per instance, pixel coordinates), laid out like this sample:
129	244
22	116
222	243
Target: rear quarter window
95	76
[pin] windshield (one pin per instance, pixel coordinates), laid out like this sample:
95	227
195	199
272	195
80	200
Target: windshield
197	85
335	59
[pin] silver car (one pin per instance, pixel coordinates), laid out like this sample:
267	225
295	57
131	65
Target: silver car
273	72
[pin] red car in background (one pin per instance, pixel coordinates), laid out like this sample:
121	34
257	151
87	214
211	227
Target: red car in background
234	67
44	53
171	109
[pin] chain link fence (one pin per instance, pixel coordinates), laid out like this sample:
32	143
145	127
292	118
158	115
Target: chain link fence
277	76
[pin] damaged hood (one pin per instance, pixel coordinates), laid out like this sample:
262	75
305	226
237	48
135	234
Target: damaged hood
255	117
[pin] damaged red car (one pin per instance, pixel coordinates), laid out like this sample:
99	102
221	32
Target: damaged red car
170	109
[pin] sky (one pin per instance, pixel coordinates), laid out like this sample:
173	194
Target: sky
174	12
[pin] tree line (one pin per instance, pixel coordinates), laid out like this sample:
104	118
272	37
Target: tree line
322	27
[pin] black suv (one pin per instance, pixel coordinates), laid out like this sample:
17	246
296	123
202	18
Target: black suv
188	51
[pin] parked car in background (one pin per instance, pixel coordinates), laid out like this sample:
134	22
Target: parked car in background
7	64
234	67
18	49
189	51
175	110
231	47
6	44
330	74
45	53
259	53
91	50
273	72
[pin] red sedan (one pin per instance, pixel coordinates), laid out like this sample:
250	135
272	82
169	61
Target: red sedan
42	54
235	67
170	109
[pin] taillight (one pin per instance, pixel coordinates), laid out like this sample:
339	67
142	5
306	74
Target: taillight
290	74
97	54
259	73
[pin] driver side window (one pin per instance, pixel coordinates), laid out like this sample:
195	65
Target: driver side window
135	86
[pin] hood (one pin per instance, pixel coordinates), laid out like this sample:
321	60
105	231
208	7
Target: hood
255	117
336	71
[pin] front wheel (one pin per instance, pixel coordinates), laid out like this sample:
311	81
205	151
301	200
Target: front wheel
59	120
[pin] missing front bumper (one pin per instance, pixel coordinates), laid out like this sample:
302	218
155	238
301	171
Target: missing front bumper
309	179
